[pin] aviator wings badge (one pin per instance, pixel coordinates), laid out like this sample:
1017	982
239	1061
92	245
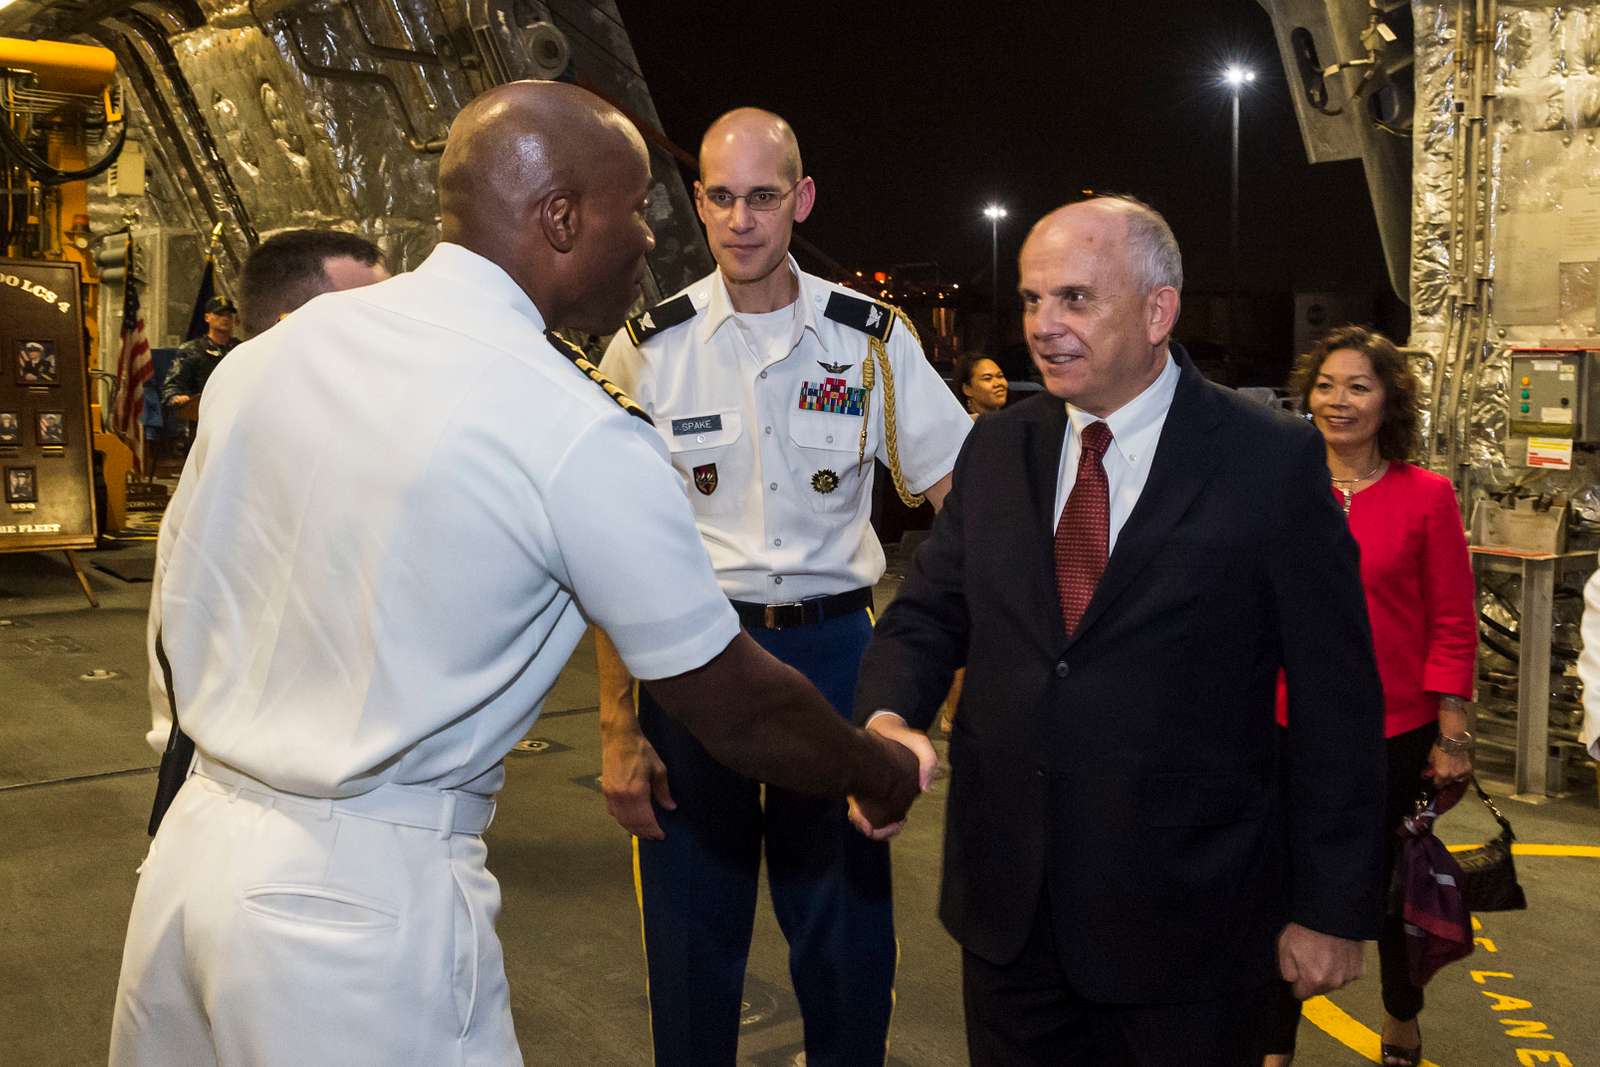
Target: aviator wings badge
835	368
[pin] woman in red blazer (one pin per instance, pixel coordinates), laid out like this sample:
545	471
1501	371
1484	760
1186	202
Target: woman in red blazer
1421	603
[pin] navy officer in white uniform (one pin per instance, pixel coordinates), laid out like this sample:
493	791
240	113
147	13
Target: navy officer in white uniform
363	613
775	392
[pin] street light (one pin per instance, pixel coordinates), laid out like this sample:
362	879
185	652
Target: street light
994	213
1235	78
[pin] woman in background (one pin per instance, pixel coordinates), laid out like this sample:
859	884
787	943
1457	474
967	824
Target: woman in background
982	383
983	388
1422	604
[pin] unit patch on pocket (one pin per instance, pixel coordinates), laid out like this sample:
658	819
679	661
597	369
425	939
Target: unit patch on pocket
705	478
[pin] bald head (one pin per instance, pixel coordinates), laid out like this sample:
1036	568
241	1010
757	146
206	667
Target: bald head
520	142
747	129
1099	282
538	177
751	192
1139	229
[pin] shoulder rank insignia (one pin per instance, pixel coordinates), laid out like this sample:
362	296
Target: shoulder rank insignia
661	317
581	361
868	316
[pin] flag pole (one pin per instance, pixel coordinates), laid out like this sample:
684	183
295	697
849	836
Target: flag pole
123	399
207	288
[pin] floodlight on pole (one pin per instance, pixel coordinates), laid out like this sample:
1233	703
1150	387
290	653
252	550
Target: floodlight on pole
1236	78
994	213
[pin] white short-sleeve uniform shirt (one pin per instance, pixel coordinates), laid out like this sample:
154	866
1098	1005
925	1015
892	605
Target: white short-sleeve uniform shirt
763	416
401	507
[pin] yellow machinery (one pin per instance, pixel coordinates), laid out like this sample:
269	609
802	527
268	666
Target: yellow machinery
58	67
60	127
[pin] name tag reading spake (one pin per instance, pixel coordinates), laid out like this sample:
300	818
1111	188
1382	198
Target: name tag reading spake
698	424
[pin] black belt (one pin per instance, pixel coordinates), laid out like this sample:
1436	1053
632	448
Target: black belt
803	612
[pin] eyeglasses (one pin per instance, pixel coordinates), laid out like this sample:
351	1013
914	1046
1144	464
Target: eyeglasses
755	200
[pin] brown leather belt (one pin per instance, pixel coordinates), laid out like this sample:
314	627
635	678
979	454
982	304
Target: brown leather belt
801	612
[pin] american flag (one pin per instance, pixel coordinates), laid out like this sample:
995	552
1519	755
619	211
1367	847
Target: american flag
134	368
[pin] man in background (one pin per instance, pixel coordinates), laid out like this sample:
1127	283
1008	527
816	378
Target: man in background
197	359
289	268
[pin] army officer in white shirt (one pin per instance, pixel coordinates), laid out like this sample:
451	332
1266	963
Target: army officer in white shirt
775	391
362	614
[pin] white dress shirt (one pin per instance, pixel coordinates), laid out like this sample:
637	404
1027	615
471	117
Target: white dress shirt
1589	667
784	496
1135	431
400	510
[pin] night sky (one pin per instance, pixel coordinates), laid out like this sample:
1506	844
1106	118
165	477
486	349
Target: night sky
913	115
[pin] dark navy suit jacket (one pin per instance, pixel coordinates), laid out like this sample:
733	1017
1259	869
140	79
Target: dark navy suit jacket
1135	769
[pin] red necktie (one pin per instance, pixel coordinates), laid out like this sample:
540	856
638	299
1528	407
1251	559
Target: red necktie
1083	538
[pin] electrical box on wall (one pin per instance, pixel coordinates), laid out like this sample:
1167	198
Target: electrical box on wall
125	177
1553	393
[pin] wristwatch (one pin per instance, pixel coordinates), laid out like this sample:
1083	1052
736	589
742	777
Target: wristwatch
1455	746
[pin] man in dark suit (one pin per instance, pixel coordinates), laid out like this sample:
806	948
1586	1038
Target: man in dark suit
1132	856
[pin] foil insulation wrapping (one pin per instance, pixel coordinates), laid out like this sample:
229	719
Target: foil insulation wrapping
308	127
1433	195
1538	194
281	114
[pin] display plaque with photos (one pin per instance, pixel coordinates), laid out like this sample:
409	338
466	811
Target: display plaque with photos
46	450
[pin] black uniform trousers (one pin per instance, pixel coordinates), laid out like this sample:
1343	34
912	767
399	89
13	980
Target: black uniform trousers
830	887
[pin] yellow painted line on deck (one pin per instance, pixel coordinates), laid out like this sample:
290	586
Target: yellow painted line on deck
1586	851
1337	1024
1333	1021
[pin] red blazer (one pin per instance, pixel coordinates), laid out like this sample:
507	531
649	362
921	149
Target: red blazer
1420	594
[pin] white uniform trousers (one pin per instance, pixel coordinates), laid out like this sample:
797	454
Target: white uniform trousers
277	931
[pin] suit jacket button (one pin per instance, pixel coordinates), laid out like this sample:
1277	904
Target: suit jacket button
1062	670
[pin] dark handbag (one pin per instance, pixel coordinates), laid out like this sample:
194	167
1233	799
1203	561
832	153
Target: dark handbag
1426	892
1488	873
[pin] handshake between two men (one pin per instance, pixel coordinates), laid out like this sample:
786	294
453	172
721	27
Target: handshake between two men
763	720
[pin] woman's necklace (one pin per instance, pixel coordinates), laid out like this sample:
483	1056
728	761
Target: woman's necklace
1347	486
